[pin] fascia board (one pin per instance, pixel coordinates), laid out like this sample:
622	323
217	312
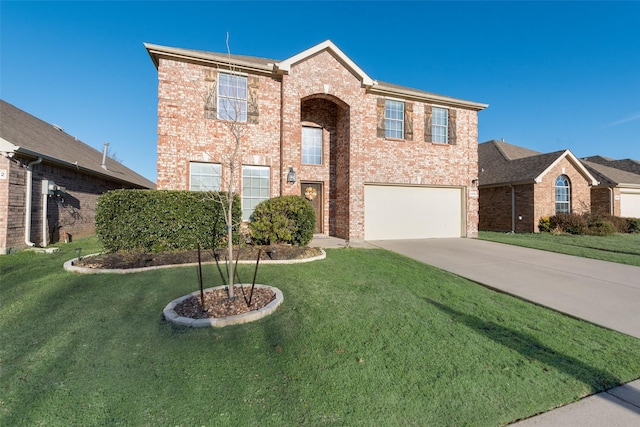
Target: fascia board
156	52
285	66
575	162
507	184
6	146
426	97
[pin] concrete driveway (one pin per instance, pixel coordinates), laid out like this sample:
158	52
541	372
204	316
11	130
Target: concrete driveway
601	292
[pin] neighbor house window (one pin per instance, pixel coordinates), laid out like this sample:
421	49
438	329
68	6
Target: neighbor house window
311	146
204	176
394	119
256	184
439	125
232	97
563	195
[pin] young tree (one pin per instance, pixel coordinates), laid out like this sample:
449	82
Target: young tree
223	101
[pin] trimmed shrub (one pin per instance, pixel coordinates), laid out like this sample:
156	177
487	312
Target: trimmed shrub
619	223
156	221
633	225
599	226
569	223
544	225
284	219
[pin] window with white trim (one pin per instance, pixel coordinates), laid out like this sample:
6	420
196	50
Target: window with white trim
232	97
256	185
204	176
563	195
311	145
440	125
394	119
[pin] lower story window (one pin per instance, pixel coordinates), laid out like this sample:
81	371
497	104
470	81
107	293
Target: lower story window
204	176
256	184
563	195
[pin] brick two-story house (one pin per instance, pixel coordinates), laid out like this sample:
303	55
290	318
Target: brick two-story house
377	160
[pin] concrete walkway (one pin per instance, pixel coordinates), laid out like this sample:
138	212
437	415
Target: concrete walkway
604	293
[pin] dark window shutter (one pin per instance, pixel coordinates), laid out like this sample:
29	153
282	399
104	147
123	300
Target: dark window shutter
380	109
253	84
211	97
452	127
427	124
408	121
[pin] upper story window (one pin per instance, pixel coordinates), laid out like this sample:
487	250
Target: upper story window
204	176
394	119
232	97
311	146
440	125
563	195
256	185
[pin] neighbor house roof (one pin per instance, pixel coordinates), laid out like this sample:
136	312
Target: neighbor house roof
501	163
611	176
26	135
271	66
629	165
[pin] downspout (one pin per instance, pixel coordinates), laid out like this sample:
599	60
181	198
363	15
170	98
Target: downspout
281	132
513	208
27	210
45	203
611	201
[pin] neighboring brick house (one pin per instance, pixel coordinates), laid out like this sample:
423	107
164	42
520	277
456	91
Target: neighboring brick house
33	152
618	191
519	186
380	161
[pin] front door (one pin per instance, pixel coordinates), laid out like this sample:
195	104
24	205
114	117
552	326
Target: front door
312	191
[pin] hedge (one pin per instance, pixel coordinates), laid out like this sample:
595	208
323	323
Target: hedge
156	221
591	224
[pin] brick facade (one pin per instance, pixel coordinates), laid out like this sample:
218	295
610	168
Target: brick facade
532	201
74	215
318	91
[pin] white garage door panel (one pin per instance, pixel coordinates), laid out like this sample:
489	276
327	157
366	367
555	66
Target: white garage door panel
630	204
396	212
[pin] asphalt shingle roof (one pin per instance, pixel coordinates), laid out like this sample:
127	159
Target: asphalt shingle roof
608	175
37	137
502	163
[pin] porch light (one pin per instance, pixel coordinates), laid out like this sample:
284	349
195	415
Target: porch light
291	176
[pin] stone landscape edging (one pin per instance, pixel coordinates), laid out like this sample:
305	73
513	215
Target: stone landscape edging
170	314
69	265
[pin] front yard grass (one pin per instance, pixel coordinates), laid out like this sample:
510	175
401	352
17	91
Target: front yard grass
620	248
365	337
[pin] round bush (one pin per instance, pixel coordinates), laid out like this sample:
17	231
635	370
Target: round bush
601	227
284	219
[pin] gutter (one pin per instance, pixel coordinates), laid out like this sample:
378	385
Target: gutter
27	210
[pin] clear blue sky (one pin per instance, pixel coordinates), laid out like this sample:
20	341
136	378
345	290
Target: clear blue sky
556	75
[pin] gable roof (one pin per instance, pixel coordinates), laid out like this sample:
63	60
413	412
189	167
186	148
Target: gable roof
612	177
629	165
22	133
500	163
275	67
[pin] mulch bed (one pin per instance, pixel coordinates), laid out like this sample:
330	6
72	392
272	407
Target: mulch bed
126	260
217	303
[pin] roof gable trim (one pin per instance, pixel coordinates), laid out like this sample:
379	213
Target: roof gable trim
575	162
328	45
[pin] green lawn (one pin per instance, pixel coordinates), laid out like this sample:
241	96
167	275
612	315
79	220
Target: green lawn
365	337
620	248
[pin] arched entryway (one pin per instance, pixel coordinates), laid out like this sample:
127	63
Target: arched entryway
325	162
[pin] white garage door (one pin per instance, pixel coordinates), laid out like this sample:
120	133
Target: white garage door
630	203
399	212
